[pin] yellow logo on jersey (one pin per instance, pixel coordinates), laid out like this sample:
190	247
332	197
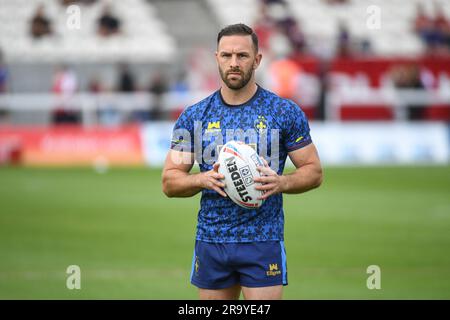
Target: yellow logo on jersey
213	125
260	123
273	270
299	138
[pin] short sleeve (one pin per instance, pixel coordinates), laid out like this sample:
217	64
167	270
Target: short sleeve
297	130
183	133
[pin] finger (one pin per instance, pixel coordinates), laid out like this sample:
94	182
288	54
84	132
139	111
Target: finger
218	176
213	184
266	171
265	179
220	191
266	164
216	166
266	195
265	187
218	183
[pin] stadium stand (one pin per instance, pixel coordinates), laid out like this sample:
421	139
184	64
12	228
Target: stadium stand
143	37
70	86
394	36
345	60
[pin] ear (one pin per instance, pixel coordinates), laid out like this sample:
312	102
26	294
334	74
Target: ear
257	61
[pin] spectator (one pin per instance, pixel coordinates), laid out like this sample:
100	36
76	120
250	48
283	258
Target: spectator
442	29
126	81
158	87
65	84
125	84
40	24
409	77
275	25
3	75
69	2
4	114
406	76
108	23
65	81
424	27
270	2
434	32
297	38
343	42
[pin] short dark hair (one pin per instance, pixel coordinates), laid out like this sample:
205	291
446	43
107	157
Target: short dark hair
239	29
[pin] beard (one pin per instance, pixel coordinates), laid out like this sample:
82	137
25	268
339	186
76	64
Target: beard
236	84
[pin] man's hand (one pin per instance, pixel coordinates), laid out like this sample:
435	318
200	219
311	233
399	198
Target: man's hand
211	180
272	182
178	182
307	175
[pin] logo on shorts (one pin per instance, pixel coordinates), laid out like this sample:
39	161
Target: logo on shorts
197	264
273	270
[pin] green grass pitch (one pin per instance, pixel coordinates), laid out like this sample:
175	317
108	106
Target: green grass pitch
131	242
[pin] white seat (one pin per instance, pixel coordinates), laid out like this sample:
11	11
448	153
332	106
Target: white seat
138	17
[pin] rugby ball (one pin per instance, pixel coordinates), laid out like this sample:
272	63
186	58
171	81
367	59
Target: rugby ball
238	163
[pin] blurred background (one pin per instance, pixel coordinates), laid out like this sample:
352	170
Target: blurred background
90	90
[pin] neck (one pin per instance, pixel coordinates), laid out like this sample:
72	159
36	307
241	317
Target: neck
236	97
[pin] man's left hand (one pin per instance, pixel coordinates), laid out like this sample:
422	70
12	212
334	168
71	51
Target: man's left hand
272	183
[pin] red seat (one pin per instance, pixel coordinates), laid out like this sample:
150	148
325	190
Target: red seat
310	112
439	112
366	112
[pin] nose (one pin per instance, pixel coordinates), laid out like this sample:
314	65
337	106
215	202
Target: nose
234	62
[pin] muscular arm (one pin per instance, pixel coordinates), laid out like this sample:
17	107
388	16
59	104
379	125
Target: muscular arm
178	182
307	175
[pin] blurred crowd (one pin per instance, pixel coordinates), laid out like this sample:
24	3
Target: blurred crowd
66	83
108	23
281	34
434	31
281	38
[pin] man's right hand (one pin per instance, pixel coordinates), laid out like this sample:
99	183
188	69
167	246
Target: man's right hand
212	180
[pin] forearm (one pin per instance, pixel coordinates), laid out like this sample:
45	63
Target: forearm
302	179
180	184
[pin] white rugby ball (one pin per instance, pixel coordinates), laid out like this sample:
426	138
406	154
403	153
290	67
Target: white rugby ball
238	163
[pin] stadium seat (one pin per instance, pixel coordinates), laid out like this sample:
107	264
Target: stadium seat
81	45
366	113
439	112
310	112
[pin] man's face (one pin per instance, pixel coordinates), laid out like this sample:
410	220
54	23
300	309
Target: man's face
237	59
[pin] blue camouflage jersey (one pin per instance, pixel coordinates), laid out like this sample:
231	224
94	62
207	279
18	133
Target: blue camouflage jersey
273	125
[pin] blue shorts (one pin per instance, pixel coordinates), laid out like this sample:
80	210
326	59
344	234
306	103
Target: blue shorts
255	264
